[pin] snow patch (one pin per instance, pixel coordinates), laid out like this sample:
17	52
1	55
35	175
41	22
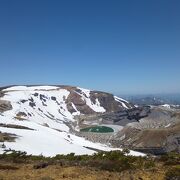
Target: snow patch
166	106
120	99
86	97
27	88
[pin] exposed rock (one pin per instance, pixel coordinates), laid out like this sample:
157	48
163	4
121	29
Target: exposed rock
53	98
5	106
36	94
154	141
70	107
7	137
1	94
106	100
121	117
23	101
31	99
156	133
32	104
21	114
81	106
14	126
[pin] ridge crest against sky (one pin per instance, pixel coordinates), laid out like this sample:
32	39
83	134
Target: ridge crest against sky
116	46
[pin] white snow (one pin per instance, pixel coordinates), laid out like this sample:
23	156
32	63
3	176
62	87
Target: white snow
168	125
85	96
27	88
120	99
77	112
124	105
49	118
59	112
47	141
166	106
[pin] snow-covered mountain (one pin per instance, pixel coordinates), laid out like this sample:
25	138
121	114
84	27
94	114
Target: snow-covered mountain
42	119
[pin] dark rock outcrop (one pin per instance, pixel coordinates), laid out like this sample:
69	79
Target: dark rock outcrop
121	117
80	104
133	114
106	100
5	106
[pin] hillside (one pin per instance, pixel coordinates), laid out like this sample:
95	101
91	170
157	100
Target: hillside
52	120
42	119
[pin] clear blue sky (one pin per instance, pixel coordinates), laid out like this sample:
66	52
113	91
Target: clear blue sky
119	46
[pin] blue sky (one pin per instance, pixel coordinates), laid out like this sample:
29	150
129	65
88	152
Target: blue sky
118	46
